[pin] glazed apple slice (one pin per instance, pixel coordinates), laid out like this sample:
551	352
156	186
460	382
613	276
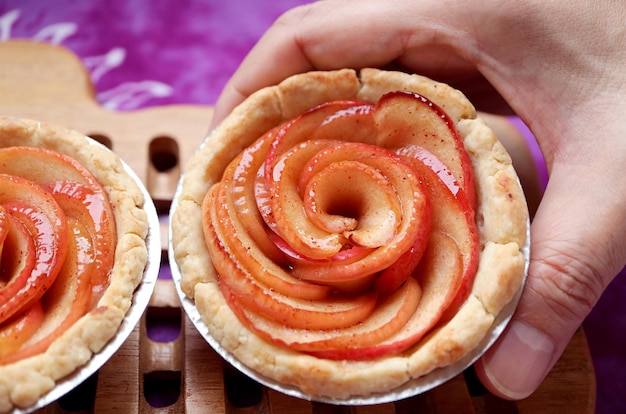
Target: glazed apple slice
438	272
343	193
298	313
320	314
68	298
219	220
4	228
244	175
348	254
46	223
285	213
409	228
454	216
446	271
47	168
390	193
309	226
391	314
263	198
42	165
435	164
406	118
17	258
393	277
18	329
336	120
95	214
353	123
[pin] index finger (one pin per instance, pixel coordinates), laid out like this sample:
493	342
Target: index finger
330	35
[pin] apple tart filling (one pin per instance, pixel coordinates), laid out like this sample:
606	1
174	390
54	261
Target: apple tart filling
57	238
78	244
339	232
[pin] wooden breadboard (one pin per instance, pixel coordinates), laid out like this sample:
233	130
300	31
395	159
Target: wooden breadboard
183	374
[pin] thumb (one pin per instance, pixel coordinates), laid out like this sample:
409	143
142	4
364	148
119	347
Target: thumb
575	252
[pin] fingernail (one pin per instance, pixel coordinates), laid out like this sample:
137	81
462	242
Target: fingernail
517	365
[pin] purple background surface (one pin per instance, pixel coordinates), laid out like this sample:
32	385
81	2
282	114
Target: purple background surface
148	53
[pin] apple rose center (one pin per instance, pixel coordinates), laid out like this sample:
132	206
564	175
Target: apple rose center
327	245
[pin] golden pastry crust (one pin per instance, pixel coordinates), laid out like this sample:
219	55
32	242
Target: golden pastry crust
22	383
501	216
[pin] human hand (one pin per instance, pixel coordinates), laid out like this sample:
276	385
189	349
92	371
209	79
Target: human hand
555	66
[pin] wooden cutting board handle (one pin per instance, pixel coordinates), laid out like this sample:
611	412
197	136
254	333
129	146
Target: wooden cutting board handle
49	83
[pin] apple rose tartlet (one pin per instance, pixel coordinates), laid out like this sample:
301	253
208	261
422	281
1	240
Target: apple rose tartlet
342	235
73	233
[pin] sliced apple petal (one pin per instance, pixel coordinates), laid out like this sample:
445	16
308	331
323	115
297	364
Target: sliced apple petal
68	298
406	118
434	163
4	230
437	274
18	255
95	214
351	124
297	313
18	329
355	200
47	168
390	316
226	233
42	165
349	254
46	222
381	197
329	121
398	273
453	216
250	196
413	228
286	204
